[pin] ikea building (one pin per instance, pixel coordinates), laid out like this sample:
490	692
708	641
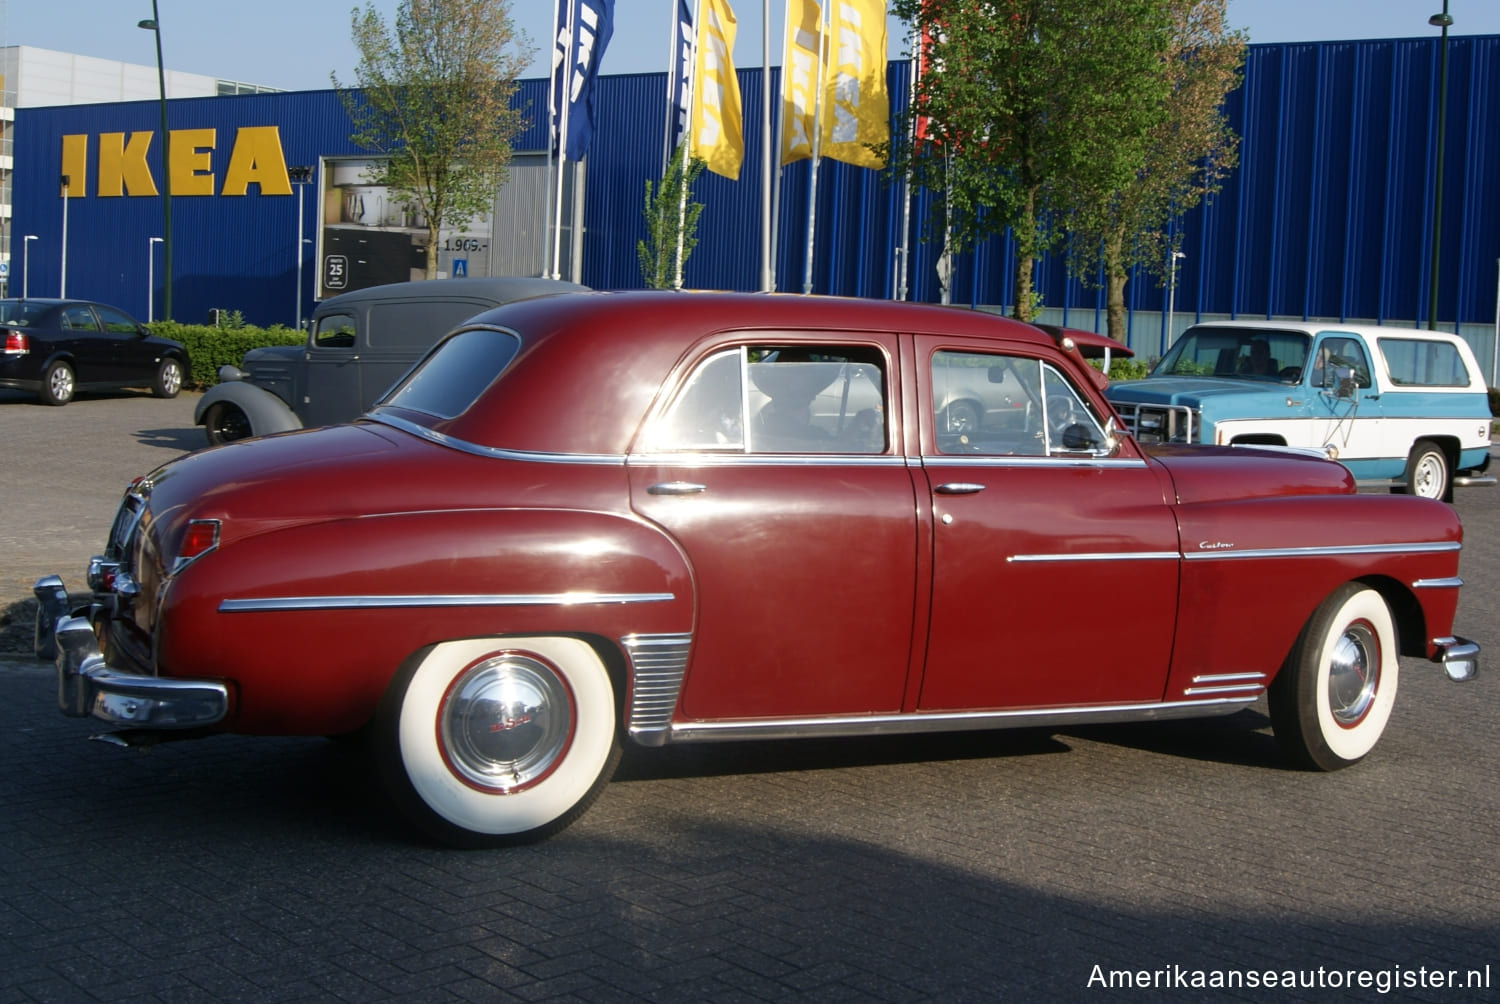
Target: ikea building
1329	215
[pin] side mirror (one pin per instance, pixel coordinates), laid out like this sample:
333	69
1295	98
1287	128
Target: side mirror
1079	438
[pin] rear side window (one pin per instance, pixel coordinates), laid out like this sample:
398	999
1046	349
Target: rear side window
1418	362
452	377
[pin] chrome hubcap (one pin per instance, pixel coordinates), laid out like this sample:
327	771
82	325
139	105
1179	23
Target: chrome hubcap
1429	477
62	382
505	723
171	379
1353	674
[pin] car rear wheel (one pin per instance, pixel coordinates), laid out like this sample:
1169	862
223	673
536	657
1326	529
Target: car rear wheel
168	379
1427	471
489	741
57	384
1333	697
960	417
225	422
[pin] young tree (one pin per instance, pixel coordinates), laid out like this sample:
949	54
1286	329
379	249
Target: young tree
1025	100
1187	154
671	222
432	96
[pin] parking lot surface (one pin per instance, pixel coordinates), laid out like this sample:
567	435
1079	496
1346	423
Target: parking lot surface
1010	864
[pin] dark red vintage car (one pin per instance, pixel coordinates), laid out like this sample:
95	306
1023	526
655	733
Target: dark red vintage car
683	517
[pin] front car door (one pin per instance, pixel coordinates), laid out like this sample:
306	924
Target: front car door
1055	563
775	467
1346	406
332	384
132	356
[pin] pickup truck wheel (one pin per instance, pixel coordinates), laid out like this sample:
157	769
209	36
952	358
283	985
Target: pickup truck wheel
225	422
1332	698
168	379
57	384
489	741
1427	471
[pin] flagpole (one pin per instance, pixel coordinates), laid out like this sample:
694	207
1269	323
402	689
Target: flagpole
692	90
904	263
551	141
817	146
562	133
766	281
780	138
673	69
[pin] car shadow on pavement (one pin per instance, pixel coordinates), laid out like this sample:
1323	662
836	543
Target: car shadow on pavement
179	440
1242	739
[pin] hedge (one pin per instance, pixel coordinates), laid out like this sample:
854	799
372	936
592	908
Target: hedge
210	347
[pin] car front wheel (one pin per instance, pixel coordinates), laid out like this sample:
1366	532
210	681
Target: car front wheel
168	379
1332	698
488	741
57	384
224	423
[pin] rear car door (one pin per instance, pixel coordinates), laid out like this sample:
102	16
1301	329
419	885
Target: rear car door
1054	564
93	358
773	464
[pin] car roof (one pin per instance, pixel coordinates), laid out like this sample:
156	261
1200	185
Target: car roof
495	289
1319	327
621	346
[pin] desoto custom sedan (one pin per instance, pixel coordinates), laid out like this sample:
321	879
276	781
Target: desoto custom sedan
680	517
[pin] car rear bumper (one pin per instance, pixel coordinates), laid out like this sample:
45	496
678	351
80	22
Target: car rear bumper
1459	656
88	687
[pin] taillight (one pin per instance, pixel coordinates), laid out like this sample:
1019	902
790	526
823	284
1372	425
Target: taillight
201	536
16	344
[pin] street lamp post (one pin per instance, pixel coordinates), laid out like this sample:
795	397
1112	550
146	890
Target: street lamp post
1443	21
154	25
151	243
62	284
26	264
1172	292
299	176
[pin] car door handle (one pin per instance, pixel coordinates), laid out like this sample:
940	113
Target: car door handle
676	488
959	488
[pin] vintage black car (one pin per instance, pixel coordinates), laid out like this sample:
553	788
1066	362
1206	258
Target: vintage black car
58	347
359	344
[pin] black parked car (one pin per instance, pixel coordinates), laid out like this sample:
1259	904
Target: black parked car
359	344
56	347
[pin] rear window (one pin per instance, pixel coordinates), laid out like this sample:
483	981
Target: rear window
454	375
1418	362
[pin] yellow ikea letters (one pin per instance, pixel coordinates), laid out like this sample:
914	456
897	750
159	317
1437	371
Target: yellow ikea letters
122	168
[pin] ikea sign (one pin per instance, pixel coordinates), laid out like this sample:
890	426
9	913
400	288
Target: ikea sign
255	158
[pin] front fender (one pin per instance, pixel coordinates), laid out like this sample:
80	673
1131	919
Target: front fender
267	412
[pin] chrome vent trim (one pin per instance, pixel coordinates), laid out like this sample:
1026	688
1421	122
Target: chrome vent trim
1226	683
657	664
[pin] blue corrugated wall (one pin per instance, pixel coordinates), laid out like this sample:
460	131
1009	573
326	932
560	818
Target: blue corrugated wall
1328	215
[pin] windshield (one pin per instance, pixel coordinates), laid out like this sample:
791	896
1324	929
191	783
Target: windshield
1268	355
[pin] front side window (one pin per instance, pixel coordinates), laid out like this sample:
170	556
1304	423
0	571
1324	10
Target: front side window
1337	359
1420	362
334	331
780	399
117	322
1010	406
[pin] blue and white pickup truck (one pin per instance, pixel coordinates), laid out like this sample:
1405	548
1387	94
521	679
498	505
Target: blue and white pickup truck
1398	406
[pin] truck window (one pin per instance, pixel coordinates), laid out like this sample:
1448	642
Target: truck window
334	331
1418	362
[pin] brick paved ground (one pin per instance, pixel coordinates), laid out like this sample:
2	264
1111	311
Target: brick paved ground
968	868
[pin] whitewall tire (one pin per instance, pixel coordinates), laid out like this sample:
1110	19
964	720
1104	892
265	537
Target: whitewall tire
1332	699
490	741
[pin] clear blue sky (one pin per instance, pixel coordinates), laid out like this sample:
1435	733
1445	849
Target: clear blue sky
295	44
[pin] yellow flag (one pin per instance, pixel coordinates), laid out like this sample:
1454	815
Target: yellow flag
715	138
856	110
799	79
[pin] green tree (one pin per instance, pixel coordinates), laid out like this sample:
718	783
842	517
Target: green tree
432	97
1027	100
671	222
1187	154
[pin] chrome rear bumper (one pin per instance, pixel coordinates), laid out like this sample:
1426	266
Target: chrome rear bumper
1459	656
87	686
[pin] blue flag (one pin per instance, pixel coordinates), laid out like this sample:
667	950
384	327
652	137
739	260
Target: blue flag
681	80
584	28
